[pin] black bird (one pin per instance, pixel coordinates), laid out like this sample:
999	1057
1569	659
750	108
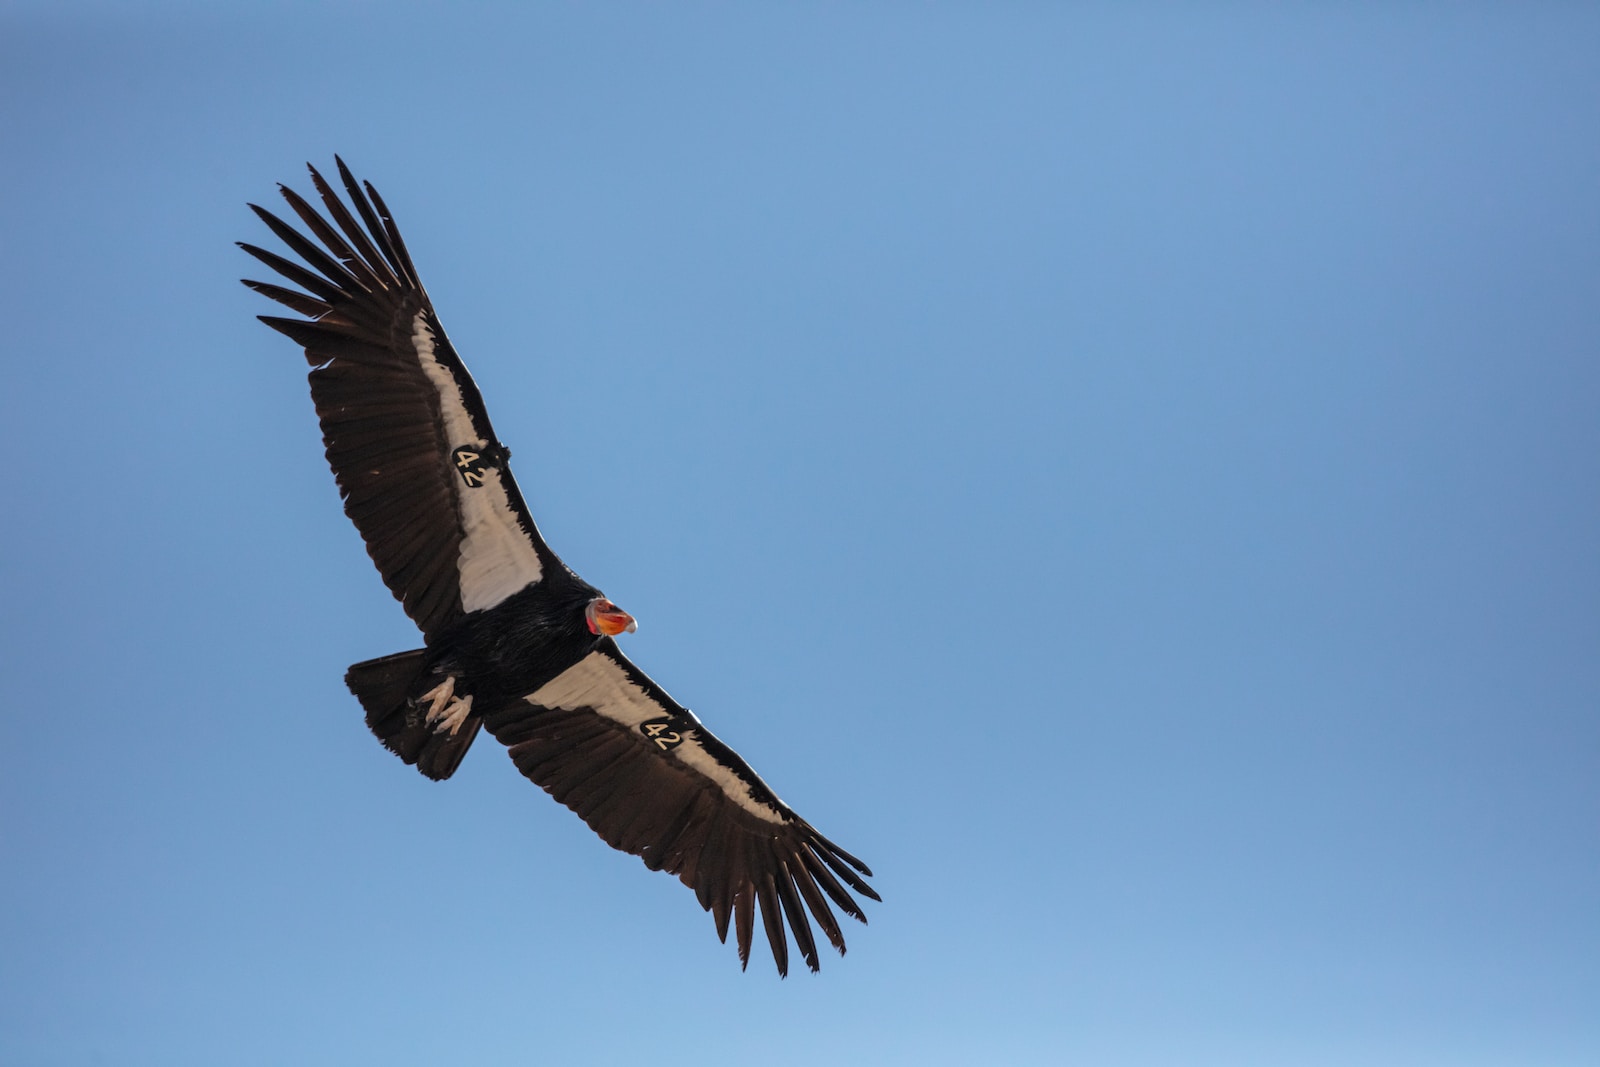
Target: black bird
514	640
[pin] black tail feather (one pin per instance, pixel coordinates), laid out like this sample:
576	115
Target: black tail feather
385	687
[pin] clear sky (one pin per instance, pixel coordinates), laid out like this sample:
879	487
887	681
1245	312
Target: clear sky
1132	475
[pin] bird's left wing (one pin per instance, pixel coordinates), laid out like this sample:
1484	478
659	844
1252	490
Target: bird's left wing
642	771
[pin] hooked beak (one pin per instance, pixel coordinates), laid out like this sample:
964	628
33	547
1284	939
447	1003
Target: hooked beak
606	618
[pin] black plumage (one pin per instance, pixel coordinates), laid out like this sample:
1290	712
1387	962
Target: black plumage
514	640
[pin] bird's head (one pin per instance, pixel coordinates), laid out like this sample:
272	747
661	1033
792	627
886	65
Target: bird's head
606	618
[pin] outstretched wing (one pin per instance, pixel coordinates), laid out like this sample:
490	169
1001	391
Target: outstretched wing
422	474
641	770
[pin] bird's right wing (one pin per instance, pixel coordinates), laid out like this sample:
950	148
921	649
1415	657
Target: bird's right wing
422	474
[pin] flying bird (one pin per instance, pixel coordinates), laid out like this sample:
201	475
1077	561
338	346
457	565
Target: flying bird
513	640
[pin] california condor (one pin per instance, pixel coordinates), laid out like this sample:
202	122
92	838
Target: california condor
513	639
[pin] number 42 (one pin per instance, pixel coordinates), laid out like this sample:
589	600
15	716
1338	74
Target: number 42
659	731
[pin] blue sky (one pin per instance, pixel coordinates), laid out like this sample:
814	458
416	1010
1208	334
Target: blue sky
1127	473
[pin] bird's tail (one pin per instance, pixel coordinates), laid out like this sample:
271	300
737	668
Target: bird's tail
386	688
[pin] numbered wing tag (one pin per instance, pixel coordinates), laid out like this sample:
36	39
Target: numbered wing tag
474	461
667	733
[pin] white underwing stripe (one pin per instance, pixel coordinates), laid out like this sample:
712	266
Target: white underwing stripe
496	557
597	681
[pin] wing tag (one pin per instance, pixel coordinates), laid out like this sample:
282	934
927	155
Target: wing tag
667	733
474	461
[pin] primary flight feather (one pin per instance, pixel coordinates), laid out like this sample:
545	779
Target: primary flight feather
514	640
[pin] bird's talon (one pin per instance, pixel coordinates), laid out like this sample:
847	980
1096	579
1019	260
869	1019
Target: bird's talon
446	711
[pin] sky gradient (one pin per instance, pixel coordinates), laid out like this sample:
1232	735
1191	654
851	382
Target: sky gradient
1130	475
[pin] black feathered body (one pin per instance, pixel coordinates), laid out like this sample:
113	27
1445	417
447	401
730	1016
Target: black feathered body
513	648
